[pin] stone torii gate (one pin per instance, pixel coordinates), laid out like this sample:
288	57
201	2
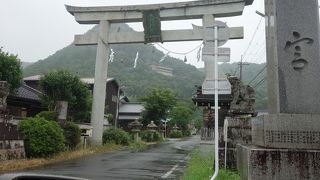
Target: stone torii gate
105	15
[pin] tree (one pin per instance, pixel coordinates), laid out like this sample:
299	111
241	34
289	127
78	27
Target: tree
181	115
10	70
157	104
64	86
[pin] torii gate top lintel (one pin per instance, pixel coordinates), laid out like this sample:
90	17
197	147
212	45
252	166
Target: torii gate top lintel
168	11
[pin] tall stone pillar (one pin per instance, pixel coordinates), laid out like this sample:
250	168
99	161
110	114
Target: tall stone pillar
286	142
100	81
293	60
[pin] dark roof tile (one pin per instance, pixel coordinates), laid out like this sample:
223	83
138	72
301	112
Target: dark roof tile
27	92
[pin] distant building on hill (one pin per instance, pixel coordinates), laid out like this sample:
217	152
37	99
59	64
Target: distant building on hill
162	70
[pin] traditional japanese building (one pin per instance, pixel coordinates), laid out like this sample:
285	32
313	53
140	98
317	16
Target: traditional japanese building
128	112
25	102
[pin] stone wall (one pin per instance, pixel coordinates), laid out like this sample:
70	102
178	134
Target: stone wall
238	131
265	164
300	131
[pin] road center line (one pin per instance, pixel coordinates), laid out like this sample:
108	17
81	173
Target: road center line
170	172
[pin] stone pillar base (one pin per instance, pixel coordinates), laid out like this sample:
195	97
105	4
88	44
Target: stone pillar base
292	131
264	164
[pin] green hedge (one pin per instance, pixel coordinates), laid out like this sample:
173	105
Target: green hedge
72	134
175	134
186	133
48	115
42	138
150	136
117	136
71	131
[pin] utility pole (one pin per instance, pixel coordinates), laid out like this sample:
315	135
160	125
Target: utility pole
240	65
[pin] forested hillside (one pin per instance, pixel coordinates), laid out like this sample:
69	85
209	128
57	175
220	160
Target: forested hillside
137	81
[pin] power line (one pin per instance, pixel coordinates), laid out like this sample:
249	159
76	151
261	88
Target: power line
240	65
259	83
181	53
258	74
255	47
254	34
254	54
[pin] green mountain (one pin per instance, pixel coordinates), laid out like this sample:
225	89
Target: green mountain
137	81
140	80
25	64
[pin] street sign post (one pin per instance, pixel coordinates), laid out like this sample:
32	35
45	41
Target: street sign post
220	36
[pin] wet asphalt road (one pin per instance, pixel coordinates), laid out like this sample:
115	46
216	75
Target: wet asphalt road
164	161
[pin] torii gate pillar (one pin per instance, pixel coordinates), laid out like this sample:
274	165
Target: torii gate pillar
100	80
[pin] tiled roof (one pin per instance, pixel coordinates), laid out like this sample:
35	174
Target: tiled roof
27	92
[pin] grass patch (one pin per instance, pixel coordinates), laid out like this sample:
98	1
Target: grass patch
15	165
201	168
138	146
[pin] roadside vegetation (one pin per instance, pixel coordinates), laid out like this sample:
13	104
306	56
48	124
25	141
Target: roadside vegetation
14	165
162	104
116	136
42	138
150	136
37	130
201	168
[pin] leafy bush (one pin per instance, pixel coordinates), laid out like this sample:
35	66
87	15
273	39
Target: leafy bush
175	134
42	138
115	135
109	118
48	115
186	133
150	136
72	134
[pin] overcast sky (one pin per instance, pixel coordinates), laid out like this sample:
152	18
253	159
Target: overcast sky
35	29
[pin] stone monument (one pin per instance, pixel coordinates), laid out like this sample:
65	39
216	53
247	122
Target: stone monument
237	125
135	129
286	142
243	97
